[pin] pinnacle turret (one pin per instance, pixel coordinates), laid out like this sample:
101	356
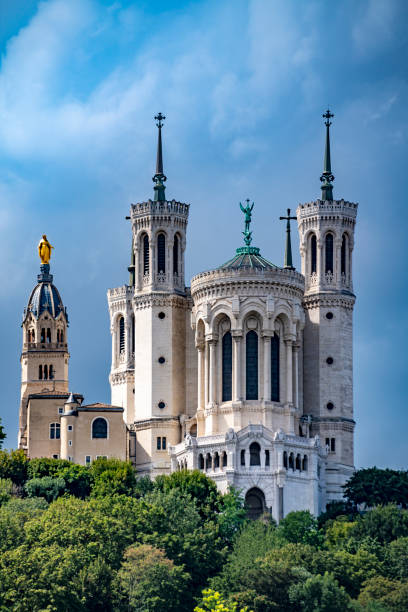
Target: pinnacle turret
159	178
327	176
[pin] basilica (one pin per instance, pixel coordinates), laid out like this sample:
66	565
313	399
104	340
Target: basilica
246	374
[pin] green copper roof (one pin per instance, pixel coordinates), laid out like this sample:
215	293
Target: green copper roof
248	257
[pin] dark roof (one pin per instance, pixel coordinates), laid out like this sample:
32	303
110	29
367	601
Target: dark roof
45	296
55	395
248	257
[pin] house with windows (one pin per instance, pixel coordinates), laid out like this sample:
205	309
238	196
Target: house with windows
246	374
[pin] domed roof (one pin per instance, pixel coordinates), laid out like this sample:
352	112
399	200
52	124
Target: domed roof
45	296
248	257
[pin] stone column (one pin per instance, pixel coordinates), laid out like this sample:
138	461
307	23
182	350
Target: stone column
112	329
289	373
337	263
212	372
206	369
200	370
236	367
319	262
138	271
267	368
296	348
128	339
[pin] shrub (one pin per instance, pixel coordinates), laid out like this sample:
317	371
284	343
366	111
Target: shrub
46	487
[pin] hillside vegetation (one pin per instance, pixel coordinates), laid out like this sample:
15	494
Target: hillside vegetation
75	538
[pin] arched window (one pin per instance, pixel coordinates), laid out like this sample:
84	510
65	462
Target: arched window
227	367
291	462
275	373
254	454
58	335
121	335
40	372
48	334
243	457
285	459
252	365
43	334
100	428
329	252
146	266
200	462
216	461
343	254
55	431
45	370
313	254
61	336
298	462
224	459
176	255
208	461
161	253
51	372
267	458
304	463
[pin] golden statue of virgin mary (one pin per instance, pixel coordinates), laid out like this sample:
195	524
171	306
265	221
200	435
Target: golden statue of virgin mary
44	250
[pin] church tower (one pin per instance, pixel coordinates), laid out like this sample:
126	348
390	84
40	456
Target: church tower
150	322
44	358
326	231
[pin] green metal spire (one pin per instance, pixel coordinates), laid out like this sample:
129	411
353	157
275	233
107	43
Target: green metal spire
159	178
288	248
327	176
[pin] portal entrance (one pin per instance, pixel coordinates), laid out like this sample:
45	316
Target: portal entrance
255	503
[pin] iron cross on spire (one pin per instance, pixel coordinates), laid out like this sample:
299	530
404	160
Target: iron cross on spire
327	176
159	118
288	248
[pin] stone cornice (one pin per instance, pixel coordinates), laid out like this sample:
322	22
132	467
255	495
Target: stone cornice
118	378
318	300
333	209
143	301
247	282
155	423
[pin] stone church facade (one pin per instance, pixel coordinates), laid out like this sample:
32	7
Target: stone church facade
246	375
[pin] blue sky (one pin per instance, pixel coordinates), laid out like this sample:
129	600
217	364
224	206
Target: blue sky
243	85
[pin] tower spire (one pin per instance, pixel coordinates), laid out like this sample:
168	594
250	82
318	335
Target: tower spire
288	263
327	176
159	178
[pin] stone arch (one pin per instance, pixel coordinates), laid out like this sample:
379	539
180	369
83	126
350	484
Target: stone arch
254	454
255	503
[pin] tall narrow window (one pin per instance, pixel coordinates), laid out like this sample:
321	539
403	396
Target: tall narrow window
254	454
176	255
252	365
161	253
51	372
40	372
48	334
164	444
121	335
45	372
133	333
329	252
243	457
146	266
313	254
158	445
43	334
227	367
275	372
55	431
343	254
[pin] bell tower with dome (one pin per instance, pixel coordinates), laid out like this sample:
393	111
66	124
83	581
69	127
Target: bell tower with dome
44	358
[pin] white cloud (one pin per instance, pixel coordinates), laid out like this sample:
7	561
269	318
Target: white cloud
375	25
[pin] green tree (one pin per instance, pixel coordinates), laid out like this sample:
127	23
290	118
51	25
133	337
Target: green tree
77	479
300	526
44	466
195	484
2	434
13	465
6	489
396	559
373	487
149	582
320	594
392	594
112	476
383	523
13	517
46	487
